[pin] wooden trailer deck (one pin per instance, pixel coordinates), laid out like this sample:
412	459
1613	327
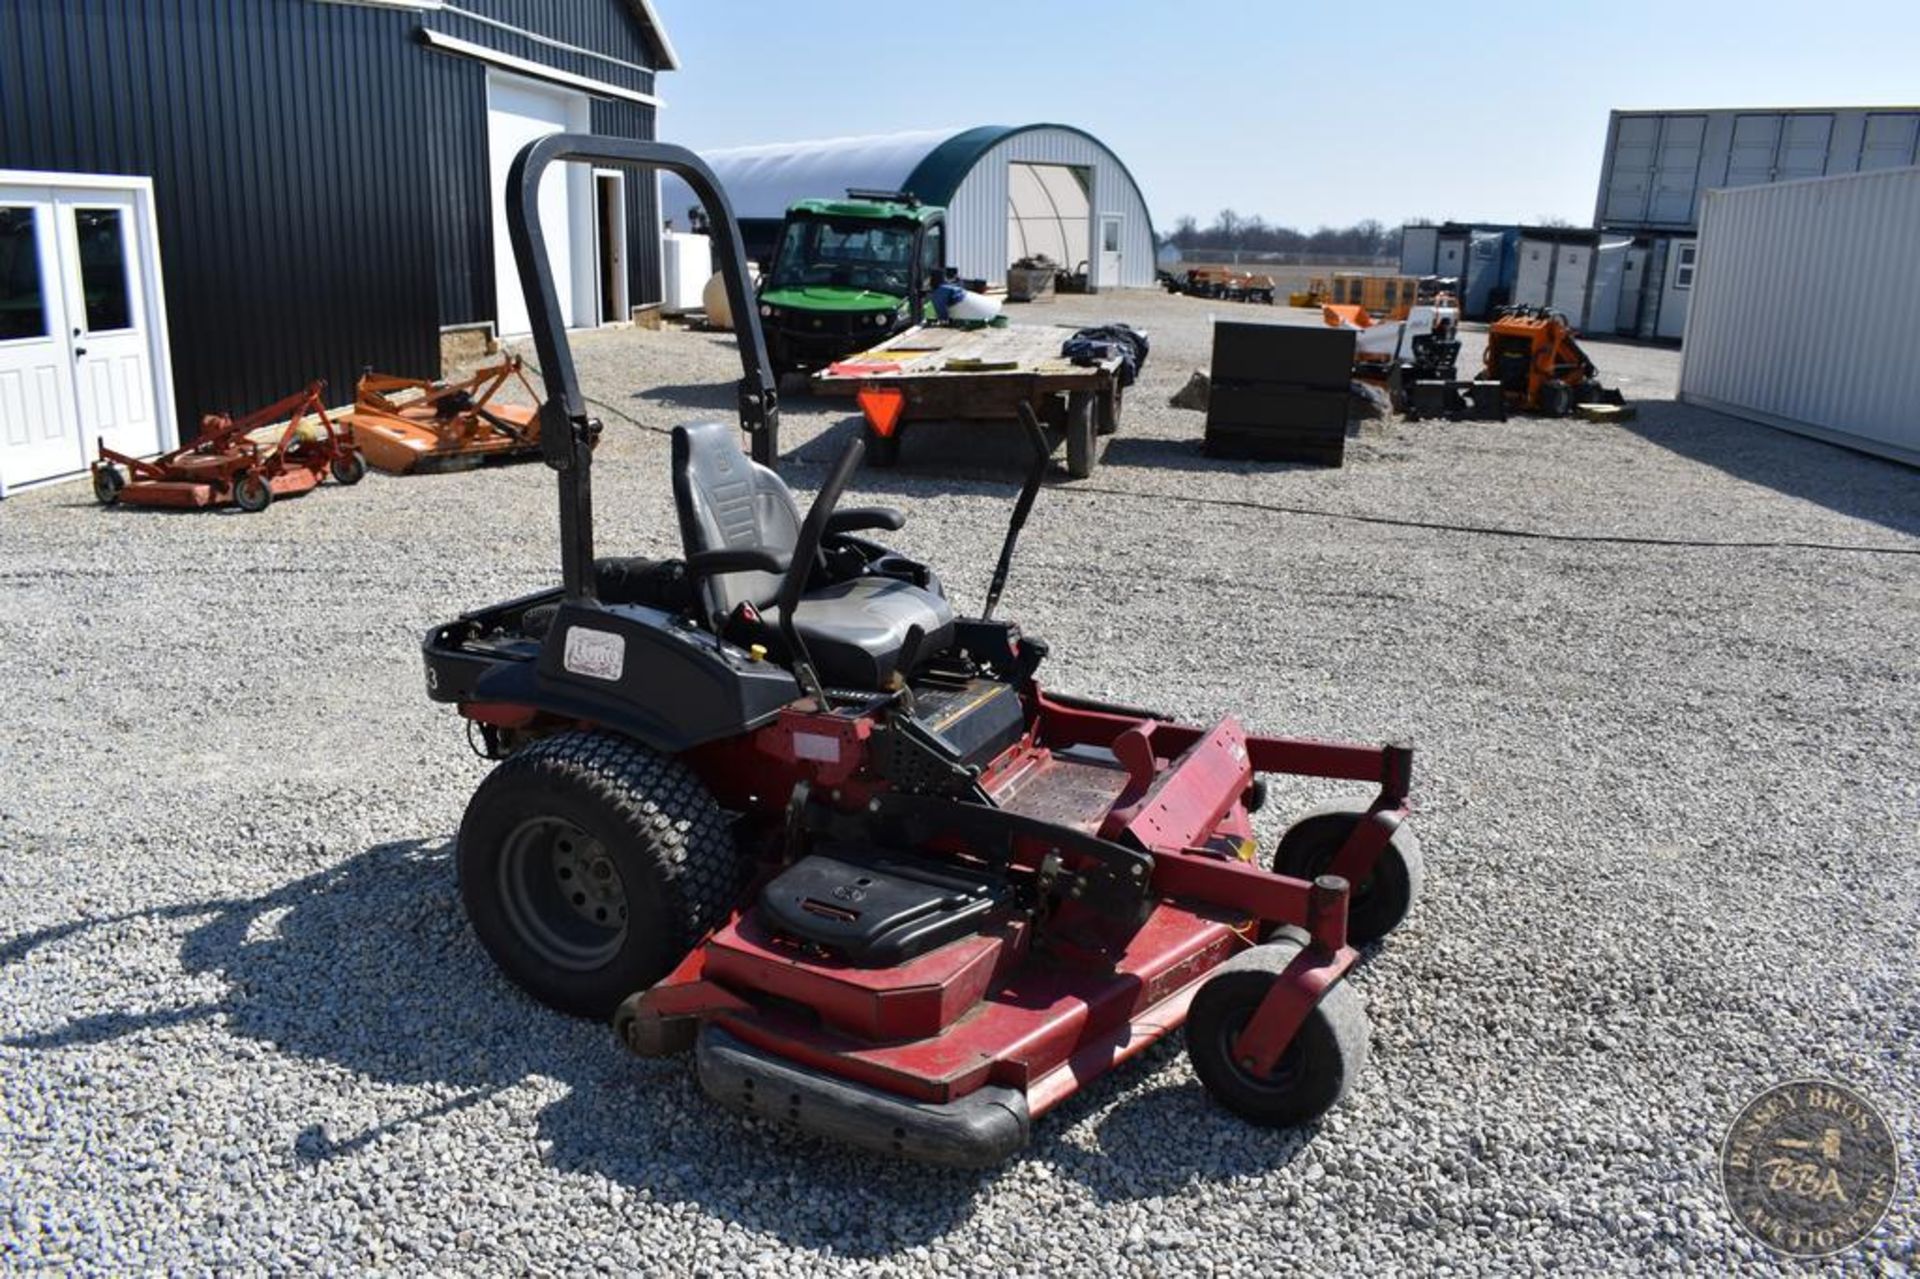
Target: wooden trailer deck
933	372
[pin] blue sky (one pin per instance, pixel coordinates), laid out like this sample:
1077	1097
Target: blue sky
1303	113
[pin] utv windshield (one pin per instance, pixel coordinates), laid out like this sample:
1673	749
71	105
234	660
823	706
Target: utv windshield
851	255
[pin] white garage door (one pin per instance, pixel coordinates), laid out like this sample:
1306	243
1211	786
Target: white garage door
518	112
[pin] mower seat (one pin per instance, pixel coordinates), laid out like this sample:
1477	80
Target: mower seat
854	629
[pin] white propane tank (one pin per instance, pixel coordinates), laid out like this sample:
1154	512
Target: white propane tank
973	306
713	300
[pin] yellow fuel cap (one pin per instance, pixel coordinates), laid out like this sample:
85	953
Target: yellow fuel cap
758	652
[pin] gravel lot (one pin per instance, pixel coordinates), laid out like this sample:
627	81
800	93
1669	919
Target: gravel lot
1667	796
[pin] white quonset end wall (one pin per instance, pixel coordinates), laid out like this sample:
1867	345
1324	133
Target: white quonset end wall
1806	307
978	213
1008	191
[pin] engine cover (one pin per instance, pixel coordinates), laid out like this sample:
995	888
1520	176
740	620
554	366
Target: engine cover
877	908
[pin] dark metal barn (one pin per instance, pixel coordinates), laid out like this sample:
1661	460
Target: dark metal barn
267	191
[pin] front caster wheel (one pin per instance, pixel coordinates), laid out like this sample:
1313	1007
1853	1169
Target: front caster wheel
252	493
348	468
1313	1074
108	481
590	865
1381	900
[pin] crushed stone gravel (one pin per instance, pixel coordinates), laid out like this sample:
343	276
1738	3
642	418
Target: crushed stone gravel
1667	798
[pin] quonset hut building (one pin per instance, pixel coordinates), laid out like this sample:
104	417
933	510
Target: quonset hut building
1010	191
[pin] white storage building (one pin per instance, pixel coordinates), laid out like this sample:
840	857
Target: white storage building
1010	191
1805	308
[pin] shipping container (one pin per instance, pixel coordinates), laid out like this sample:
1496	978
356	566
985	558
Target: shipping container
1805	306
1419	250
1659	164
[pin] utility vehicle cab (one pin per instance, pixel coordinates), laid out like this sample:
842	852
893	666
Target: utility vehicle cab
847	273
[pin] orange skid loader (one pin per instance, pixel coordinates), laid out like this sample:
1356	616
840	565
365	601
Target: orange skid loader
408	424
1534	355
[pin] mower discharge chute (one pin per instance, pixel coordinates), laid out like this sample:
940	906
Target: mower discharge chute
285	448
408	424
777	801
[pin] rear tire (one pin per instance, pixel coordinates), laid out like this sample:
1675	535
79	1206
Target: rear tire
1317	1069
107	482
1381	901
591	865
348	468
252	493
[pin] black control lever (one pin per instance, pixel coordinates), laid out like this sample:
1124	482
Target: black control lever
1036	476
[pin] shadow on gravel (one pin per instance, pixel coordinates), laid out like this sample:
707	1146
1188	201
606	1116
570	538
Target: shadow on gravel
1854	484
369	965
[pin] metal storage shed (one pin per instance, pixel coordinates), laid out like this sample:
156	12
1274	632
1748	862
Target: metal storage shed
1009	191
1805	309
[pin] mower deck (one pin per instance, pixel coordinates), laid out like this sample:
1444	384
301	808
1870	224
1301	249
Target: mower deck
412	426
281	450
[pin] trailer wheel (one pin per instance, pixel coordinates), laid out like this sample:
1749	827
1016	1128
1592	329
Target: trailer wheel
884	450
108	480
1381	902
1316	1070
348	468
1080	434
590	865
1110	403
251	492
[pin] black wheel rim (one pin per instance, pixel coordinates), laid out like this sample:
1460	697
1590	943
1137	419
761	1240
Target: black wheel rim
562	894
1285	1073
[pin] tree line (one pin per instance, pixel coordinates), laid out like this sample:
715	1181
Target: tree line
1231	232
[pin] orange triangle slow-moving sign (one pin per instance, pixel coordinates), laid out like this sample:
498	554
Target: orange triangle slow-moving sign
883	406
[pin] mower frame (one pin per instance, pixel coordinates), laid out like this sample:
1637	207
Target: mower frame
1128	903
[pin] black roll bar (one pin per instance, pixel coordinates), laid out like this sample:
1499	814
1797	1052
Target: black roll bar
566	440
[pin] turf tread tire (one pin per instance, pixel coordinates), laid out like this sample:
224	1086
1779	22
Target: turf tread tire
681	867
1334	1040
1308	847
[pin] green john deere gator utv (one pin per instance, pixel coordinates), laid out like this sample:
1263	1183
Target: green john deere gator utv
846	274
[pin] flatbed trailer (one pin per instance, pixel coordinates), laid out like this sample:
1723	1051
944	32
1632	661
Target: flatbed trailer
938	372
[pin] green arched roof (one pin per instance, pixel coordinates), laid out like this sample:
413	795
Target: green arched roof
939	175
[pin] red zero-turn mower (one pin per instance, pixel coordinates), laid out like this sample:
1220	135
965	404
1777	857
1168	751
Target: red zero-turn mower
246	460
776	802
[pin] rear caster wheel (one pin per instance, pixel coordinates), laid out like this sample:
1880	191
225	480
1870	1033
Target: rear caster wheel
348	468
590	865
1381	901
107	482
1316	1070
252	493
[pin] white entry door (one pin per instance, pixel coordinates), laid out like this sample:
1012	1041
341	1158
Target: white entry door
39	421
520	111
77	351
106	318
1112	236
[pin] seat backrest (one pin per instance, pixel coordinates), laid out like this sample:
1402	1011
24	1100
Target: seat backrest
729	502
